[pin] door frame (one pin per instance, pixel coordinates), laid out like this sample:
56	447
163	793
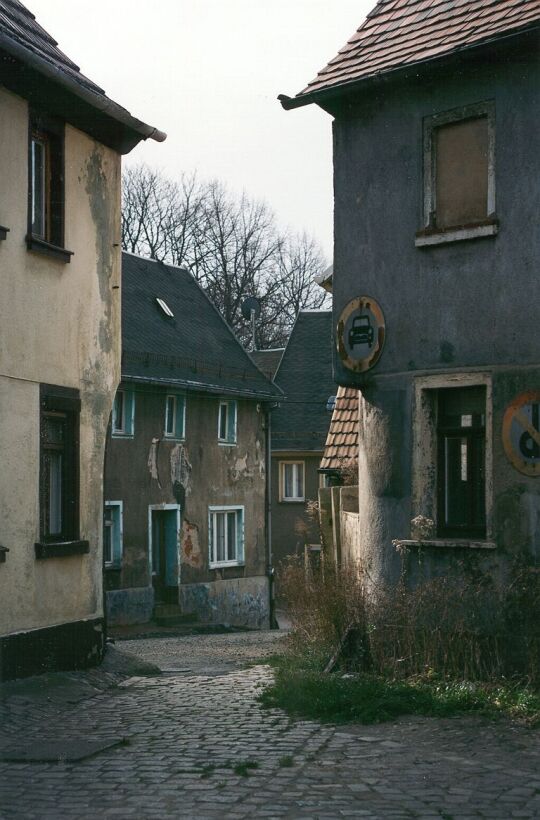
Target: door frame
157	508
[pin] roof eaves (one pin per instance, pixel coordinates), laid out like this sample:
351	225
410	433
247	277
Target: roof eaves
205	387
339	89
84	92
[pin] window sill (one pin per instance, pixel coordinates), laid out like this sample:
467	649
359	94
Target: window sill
226	564
59	549
3	232
227	443
113	566
173	439
452	543
3	551
123	435
33	243
292	500
476	230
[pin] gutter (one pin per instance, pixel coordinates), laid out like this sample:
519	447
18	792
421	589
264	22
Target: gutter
100	102
338	90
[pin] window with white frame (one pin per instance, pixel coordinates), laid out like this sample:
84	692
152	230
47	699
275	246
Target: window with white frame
226	536
112	533
123	418
227	422
292	480
175	409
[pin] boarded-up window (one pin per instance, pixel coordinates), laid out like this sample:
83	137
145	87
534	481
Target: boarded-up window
461	172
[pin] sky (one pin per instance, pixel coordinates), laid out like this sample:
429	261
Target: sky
208	73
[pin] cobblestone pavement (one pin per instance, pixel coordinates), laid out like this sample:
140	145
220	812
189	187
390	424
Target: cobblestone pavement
195	744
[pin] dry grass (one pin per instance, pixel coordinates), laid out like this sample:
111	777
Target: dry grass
460	627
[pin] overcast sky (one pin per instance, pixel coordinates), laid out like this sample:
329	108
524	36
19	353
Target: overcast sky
208	73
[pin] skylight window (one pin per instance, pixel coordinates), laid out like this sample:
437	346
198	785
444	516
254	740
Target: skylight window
165	307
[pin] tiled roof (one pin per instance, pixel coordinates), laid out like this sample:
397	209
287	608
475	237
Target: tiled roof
194	348
43	70
397	33
341	446
20	24
305	376
268	360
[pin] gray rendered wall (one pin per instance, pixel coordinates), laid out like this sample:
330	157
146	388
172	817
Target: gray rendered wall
470	306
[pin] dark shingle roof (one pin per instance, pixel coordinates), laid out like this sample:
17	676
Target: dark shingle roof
398	33
81	101
305	376
267	360
341	448
196	349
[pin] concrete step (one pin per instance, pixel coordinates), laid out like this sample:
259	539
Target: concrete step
170	615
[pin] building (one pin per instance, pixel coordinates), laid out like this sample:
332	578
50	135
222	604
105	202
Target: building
186	464
61	142
435	299
299	428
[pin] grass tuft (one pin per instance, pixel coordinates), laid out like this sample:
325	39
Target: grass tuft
375	699
243	767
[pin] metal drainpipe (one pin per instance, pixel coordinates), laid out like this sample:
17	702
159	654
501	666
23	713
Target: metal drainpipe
268	511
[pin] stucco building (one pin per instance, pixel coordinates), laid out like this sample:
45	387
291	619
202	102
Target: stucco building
185	473
436	149
299	428
61	143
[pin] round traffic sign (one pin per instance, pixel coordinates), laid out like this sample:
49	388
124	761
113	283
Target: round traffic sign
360	334
521	432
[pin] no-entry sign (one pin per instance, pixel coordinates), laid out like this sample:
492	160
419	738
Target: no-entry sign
521	432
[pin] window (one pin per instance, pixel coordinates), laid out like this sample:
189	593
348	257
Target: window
46	187
165	308
123	418
226	536
112	533
175	407
227	422
459	176
59	464
291	481
461	436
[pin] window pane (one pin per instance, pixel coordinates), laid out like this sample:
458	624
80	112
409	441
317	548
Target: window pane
118	414
223	422
287	481
300	480
219	529
231	536
54	428
38	187
461	172
108	535
55	494
170	416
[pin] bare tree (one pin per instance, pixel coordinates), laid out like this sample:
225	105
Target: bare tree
231	245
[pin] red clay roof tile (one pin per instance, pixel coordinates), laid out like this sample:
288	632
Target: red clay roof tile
402	32
341	446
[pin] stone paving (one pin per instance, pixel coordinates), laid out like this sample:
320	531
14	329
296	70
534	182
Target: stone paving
196	744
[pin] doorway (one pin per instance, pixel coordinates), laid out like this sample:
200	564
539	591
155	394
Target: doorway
164	530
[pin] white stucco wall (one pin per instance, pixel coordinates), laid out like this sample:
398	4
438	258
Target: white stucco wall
59	324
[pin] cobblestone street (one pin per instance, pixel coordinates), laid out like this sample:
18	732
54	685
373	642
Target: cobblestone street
194	743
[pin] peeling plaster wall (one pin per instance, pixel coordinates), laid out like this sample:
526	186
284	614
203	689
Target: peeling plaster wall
148	469
462	308
60	324
292	527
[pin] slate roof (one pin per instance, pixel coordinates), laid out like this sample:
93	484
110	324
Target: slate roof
305	376
342	441
194	350
267	360
27	43
398	33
